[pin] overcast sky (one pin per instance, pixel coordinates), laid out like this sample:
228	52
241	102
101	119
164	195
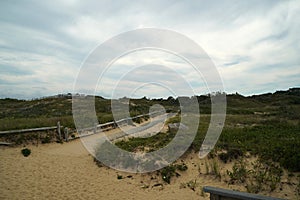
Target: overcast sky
255	45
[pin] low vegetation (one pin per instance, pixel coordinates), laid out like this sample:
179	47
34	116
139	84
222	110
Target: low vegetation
168	172
264	126
26	152
258	176
239	172
192	184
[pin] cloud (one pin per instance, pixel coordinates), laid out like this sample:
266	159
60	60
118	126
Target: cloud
255	45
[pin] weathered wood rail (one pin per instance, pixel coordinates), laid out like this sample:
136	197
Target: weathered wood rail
55	132
28	130
114	124
88	131
223	194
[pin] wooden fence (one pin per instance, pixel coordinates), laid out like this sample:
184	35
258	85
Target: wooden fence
28	130
114	124
8	134
223	194
67	132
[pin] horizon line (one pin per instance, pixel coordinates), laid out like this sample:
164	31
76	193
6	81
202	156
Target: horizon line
150	98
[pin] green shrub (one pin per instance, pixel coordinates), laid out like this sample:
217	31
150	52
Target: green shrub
46	139
270	140
119	177
265	176
232	153
137	120
239	172
182	167
206	168
215	169
224	157
192	184
212	168
167	173
26	152
175	119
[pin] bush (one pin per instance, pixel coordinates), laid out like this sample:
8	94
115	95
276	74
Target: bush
119	177
239	172
215	169
264	176
192	184
46	139
167	173
233	153
224	157
26	152
182	167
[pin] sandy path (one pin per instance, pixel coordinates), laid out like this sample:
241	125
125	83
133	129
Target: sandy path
146	129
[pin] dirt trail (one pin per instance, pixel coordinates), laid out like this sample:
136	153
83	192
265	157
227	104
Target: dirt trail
146	129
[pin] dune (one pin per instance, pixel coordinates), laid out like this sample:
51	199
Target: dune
67	171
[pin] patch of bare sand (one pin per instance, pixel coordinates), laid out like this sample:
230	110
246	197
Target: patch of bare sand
67	171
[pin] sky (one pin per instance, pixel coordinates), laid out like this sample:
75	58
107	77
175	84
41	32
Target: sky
254	46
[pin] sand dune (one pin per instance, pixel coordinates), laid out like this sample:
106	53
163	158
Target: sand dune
67	171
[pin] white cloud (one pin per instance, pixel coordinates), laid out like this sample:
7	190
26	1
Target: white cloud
255	45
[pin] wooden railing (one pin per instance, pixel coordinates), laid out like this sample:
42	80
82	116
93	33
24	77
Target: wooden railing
28	130
67	131
223	194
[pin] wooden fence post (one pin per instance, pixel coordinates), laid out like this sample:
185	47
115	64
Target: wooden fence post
95	128
66	134
58	130
37	140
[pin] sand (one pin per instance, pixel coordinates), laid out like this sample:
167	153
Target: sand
67	171
145	129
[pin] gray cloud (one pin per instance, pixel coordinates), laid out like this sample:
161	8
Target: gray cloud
254	44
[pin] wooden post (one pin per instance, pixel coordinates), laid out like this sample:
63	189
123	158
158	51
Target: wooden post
66	134
214	197
39	138
58	130
95	128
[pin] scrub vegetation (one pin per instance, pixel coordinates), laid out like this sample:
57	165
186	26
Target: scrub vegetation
264	126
